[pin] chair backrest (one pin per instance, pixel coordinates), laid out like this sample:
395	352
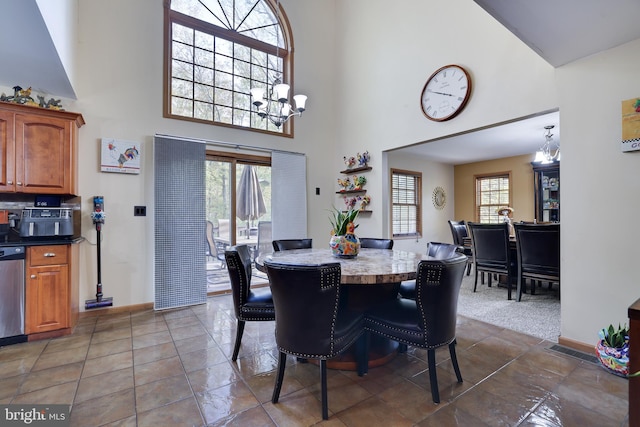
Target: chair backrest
437	288
288	244
368	242
538	248
211	247
306	301
437	250
238	259
491	245
458	232
265	242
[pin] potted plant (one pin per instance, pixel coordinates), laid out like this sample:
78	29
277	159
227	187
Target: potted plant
612	349
344	243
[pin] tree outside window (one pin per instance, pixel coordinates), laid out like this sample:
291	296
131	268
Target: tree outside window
492	192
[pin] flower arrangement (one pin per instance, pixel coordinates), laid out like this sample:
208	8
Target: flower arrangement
350	202
340	221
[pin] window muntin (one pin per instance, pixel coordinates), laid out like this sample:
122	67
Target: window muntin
216	52
406	201
492	192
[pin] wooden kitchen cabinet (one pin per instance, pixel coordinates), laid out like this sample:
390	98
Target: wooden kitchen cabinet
38	150
51	302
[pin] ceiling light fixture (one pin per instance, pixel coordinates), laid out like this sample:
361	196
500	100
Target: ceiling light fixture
275	105
550	150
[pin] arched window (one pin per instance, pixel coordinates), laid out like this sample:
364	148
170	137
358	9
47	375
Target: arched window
216	51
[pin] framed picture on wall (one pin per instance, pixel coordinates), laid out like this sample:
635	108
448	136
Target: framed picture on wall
120	156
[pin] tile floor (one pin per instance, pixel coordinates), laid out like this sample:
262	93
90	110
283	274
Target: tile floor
174	369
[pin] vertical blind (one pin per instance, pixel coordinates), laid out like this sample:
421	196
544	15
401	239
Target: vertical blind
289	195
180	276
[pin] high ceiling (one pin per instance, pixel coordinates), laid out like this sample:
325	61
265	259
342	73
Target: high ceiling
559	31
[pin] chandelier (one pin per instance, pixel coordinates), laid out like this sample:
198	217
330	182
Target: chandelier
275	105
550	150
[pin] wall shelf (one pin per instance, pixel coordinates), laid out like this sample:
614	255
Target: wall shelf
351	191
356	170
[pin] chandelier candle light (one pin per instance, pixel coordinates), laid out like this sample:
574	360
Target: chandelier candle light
276	106
550	150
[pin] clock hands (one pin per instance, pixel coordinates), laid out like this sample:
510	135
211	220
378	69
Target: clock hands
441	93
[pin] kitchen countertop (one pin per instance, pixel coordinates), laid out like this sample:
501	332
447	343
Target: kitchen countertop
14	239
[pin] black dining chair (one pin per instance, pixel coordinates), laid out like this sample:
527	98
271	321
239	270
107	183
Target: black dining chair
374	243
427	322
538	254
313	322
288	244
492	253
459	233
435	250
250	304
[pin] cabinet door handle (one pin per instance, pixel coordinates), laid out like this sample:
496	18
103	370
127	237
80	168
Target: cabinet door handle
10	182
49	254
33	276
18	183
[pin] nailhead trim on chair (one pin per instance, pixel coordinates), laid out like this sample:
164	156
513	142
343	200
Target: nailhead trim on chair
412	343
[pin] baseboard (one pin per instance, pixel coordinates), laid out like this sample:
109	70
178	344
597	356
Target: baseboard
576	345
115	310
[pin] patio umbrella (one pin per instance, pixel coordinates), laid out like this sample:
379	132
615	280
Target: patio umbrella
249	201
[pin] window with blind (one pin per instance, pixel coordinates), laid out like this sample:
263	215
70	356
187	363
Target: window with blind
406	196
492	192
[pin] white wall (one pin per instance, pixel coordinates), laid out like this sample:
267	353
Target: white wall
600	188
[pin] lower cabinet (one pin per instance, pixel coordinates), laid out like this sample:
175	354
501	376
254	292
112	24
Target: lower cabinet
49	289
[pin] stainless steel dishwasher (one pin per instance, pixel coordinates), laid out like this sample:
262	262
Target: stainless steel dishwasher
12	295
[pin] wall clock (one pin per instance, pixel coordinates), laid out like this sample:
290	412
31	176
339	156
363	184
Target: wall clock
439	198
446	93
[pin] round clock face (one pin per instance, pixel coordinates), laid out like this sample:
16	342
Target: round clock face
446	93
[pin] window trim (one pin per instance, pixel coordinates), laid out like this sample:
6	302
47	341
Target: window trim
505	174
418	232
286	53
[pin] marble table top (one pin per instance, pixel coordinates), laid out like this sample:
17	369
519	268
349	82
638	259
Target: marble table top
371	266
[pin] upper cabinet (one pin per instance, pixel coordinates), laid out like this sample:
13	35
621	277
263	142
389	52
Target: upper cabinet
547	192
38	150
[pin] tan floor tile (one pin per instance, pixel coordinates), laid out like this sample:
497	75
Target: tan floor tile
185	332
162	392
253	417
157	370
109	347
104	364
9	386
225	401
113	325
103	410
592	397
194	343
491	409
181	322
25	350
62	394
102	385
182	413
153	353
151	339
201	359
51	377
556	411
80	341
106	336
49	360
371	412
214	377
452	416
156	325
15	367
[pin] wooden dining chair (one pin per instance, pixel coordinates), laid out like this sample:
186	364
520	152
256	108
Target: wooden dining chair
312	321
492	253
538	254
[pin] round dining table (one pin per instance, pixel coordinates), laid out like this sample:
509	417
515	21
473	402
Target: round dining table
371	277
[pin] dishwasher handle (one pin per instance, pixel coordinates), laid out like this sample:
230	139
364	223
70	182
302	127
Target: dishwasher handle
12	252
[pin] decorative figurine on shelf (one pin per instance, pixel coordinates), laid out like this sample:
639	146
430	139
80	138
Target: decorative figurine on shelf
23	97
364	201
359	181
345	183
349	161
363	159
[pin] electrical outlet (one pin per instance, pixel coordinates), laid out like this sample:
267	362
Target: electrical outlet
139	211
